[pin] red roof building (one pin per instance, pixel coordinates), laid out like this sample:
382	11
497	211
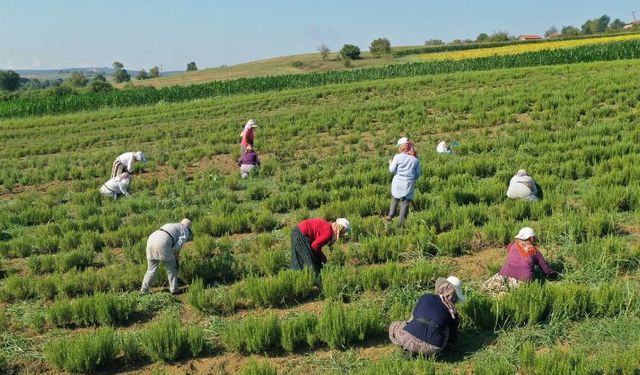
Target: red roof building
529	37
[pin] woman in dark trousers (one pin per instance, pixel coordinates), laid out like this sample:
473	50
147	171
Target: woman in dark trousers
434	322
308	238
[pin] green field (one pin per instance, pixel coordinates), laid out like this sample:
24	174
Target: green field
71	261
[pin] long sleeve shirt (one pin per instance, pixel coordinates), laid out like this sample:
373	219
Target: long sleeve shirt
521	267
116	187
430	319
522	187
168	240
319	232
127	160
406	170
247	137
249	158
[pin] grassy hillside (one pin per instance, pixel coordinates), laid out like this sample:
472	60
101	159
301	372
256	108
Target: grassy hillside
325	151
295	64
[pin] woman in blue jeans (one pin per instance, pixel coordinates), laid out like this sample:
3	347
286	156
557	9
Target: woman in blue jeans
405	168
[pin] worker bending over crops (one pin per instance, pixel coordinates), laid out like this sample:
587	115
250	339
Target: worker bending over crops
117	186
248	161
434	322
164	246
308	238
522	186
443	148
405	167
522	257
247	135
124	162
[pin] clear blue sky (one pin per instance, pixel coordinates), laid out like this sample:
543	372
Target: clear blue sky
143	33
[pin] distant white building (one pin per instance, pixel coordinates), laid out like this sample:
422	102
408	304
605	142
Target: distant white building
631	24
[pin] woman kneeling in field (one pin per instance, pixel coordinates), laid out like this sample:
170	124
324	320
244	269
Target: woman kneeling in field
434	322
522	257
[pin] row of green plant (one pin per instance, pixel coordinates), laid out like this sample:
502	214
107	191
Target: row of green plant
167	340
115	278
338	326
149	95
554	362
100	309
286	287
537	302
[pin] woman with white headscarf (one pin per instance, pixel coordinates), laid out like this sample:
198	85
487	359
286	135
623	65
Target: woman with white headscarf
117	186
434	321
522	257
308	238
124	162
405	168
247	135
522	186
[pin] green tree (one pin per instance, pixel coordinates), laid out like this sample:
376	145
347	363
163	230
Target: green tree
350	51
324	52
482	37
100	86
154	72
596	25
77	79
570	31
603	23
550	31
500	36
433	42
616	24
9	80
380	46
191	67
142	75
120	73
99	77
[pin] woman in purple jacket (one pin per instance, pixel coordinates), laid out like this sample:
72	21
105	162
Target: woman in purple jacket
522	257
248	161
434	322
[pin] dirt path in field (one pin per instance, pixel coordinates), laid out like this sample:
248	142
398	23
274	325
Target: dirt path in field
475	267
296	363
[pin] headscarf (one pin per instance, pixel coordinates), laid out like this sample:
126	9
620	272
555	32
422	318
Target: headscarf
525	248
448	296
408	149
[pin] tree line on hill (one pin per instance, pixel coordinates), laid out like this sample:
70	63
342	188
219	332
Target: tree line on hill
382	46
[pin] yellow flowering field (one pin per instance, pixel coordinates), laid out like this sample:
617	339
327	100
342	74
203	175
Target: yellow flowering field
521	48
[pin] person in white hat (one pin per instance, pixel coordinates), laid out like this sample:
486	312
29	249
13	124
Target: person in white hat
434	322
164	246
405	168
308	238
443	148
117	186
124	162
522	257
247	135
522	186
